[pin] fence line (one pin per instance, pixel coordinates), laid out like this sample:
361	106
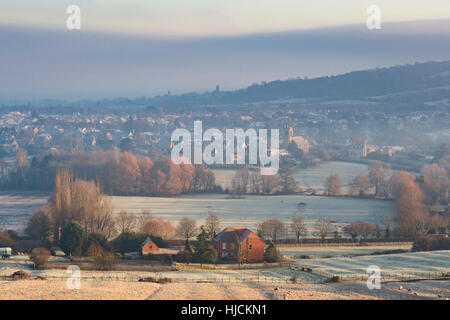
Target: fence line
266	280
323	277
402	276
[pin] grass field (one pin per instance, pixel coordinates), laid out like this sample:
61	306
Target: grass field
251	210
402	263
320	252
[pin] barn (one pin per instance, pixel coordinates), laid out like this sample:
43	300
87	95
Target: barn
232	243
148	246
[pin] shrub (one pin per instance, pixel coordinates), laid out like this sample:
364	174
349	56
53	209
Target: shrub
272	254
428	243
103	260
72	238
95	239
156	280
335	279
8	239
40	256
293	279
20	275
183	256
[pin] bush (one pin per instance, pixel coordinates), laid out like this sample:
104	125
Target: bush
95	239
429	243
183	256
8	239
40	256
272	254
293	279
103	260
156	280
335	279
72	239
18	275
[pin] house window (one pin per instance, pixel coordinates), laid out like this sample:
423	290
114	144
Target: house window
224	245
150	247
232	246
250	247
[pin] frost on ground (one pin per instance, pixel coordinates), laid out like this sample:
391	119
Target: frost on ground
51	289
403	263
318	252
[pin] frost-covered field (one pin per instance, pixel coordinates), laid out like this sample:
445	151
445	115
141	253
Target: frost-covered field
17	207
276	274
318	252
313	177
50	289
403	263
251	210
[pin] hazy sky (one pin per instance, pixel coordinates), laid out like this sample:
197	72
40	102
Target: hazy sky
215	17
147	47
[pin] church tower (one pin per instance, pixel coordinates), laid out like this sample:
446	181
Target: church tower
291	134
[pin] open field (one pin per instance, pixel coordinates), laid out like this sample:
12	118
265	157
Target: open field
251	210
320	252
50	289
17	207
313	177
262	283
402	263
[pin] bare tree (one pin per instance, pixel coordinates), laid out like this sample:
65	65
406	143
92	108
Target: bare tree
126	222
323	228
239	184
187	228
379	172
21	157
435	182
298	226
144	217
360	184
212	224
287	180
273	229
333	185
159	228
270	184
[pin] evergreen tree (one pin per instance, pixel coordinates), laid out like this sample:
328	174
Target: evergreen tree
204	252
72	238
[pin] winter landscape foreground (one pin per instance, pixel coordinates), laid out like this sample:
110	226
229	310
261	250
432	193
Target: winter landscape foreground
419	275
98	290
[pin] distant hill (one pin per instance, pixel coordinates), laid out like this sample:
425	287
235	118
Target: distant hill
378	84
420	83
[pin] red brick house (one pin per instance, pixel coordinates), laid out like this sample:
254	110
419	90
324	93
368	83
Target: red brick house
229	240
148	246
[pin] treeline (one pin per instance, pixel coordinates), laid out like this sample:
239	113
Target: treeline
119	173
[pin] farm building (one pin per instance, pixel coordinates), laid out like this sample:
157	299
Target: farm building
149	247
233	242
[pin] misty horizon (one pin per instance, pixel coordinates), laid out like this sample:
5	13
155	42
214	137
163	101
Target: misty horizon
44	63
